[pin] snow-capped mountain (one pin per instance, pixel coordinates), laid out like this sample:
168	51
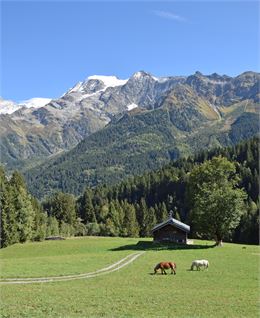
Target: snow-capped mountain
37	128
96	83
35	102
9	106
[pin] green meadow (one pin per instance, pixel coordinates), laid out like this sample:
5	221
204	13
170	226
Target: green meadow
229	288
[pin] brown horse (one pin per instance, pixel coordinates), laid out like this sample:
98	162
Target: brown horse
165	265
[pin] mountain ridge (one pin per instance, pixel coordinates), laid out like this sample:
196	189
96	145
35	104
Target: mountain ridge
181	122
197	109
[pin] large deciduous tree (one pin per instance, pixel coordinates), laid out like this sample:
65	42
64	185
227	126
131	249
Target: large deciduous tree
216	202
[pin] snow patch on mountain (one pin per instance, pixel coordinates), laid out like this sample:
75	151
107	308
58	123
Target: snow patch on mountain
35	102
141	74
77	88
9	106
160	79
138	75
109	81
131	106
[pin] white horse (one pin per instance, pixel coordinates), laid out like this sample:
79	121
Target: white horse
199	263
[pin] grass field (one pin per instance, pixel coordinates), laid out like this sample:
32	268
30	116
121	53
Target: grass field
230	288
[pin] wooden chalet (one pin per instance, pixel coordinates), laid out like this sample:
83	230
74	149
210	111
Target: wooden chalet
171	230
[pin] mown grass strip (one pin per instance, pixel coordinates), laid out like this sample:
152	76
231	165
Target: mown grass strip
114	267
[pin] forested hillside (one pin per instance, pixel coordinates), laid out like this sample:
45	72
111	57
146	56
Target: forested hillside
153	194
132	207
141	141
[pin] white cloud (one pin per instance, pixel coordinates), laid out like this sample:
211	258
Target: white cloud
169	15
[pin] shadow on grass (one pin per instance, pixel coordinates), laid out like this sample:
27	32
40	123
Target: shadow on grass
152	246
159	274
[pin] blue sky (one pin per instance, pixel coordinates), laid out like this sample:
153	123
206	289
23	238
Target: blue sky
48	46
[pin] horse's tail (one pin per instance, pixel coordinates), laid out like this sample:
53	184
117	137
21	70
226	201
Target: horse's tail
175	265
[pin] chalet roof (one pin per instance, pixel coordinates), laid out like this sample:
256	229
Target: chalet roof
172	221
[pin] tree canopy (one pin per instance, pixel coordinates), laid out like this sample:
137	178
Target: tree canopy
205	192
217	204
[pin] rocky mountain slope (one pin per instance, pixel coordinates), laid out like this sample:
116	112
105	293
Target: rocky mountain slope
173	117
120	127
30	135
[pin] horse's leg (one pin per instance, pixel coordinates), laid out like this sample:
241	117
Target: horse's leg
173	270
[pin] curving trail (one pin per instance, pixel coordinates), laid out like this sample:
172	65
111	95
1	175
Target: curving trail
106	270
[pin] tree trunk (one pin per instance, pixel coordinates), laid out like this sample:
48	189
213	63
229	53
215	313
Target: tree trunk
219	243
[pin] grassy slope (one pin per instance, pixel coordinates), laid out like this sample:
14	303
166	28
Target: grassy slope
228	289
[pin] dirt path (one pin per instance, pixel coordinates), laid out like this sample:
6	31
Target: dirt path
106	270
